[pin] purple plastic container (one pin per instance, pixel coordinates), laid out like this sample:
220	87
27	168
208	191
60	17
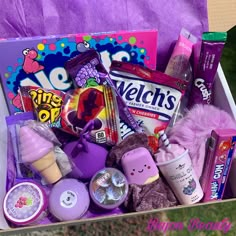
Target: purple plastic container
69	200
108	188
25	204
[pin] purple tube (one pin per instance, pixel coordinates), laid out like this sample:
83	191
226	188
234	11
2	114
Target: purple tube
211	50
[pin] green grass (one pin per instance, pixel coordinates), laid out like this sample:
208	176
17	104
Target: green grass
228	61
138	225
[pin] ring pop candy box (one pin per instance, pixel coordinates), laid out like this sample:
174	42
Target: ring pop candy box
87	70
151	96
46	103
93	103
217	165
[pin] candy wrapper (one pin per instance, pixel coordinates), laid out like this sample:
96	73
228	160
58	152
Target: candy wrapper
151	96
46	103
93	103
86	70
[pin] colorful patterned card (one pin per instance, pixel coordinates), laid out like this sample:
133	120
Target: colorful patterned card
39	61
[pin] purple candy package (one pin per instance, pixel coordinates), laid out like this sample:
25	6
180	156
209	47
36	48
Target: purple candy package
87	70
211	49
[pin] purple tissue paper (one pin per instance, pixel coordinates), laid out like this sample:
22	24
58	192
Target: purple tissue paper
21	18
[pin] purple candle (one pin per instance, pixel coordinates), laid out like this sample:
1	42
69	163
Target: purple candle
69	200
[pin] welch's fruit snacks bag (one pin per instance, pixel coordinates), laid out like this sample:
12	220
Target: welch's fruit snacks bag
151	96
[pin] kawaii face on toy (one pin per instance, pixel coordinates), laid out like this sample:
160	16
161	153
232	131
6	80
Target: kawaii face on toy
139	166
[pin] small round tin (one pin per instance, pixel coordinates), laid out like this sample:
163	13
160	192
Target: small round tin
108	188
25	204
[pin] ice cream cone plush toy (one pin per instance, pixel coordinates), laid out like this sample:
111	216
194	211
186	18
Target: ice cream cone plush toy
39	153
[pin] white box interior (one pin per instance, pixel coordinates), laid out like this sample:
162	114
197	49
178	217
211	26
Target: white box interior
222	98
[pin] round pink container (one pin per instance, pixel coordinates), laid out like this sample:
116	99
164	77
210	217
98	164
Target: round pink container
25	204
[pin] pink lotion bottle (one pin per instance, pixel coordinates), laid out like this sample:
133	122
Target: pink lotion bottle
179	67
